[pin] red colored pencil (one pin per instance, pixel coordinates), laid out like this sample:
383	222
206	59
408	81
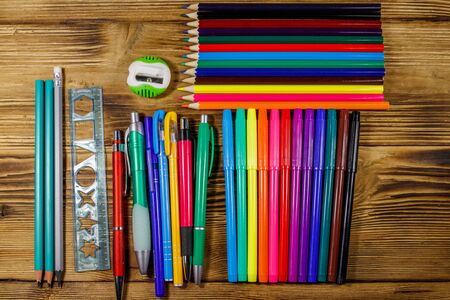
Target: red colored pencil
286	48
219	23
285	189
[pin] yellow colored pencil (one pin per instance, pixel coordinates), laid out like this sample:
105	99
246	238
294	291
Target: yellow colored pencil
170	131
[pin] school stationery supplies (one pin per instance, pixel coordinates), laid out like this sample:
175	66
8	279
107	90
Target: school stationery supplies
282	80
39	181
327	198
241	194
155	209
274	170
91	234
286	48
148	76
296	170
282	56
59	175
229	168
170	138
307	166
49	183
203	167
263	196
284	72
285	178
252	164
288	64
352	163
159	150
310	7
119	192
290	105
282	97
283	39
316	195
135	151
284	31
338	193
185	165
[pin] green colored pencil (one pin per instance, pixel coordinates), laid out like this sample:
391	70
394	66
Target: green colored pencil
286	64
285	39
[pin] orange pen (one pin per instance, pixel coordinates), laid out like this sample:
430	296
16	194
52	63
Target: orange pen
263	196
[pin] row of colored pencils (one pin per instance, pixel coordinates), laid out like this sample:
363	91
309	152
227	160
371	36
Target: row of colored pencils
289	193
285	56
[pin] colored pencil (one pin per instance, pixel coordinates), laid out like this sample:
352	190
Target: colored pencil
281	97
284	31
283	80
285	56
290	105
266	64
275	72
286	23
280	39
281	6
283	89
286	48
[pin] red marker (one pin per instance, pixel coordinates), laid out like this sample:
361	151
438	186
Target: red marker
285	189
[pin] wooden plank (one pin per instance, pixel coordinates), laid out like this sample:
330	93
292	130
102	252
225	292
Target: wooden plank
144	290
22	11
400	230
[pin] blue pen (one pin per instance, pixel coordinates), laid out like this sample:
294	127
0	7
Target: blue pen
316	196
288	55
155	211
158	149
295	72
228	166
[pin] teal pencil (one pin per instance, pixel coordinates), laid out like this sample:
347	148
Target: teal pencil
39	182
330	163
49	184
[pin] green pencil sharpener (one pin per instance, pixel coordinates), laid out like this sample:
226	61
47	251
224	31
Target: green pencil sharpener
148	76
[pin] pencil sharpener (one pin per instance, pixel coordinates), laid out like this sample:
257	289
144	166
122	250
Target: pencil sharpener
148	76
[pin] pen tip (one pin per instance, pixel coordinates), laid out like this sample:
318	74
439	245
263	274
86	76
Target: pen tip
198	274
119	280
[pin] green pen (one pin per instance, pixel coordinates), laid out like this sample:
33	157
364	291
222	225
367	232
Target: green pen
205	138
330	163
135	155
241	194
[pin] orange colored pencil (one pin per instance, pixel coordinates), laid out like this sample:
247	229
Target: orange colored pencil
263	196
290	105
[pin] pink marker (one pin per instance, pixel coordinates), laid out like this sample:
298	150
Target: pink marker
274	170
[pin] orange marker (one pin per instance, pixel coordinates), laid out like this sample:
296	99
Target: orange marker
263	196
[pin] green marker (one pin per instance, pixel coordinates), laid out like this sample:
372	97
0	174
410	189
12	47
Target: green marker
135	153
330	163
205	138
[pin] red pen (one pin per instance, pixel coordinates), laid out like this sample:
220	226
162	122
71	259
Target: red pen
119	191
185	179
285	180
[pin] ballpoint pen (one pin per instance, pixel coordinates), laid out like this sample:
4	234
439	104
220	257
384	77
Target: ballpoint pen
352	163
205	157
307	165
296	172
119	192
135	158
316	195
59	175
338	193
327	199
241	194
228	166
274	170
285	166
263	196
185	166
49	192
39	171
155	210
170	138
158	149
252	164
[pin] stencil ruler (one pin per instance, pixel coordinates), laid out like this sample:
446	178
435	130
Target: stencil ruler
91	235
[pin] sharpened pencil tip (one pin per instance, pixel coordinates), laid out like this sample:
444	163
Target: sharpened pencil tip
184	56
185	105
186	48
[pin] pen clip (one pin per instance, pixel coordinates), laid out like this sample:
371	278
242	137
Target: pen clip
158	117
211	163
170	127
127	160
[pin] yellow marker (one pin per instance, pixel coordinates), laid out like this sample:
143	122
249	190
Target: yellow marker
252	153
170	131
284	89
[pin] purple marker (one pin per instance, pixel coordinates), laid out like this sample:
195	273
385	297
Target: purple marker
307	166
296	163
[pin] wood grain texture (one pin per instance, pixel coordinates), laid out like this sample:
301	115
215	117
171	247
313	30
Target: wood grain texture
401	221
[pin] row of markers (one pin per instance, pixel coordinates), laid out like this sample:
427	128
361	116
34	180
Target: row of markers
289	184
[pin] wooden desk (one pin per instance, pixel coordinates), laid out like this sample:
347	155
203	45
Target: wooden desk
400	245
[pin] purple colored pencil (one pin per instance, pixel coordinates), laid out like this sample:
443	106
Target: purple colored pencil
288	31
307	166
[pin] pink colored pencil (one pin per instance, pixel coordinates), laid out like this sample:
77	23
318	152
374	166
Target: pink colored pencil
282	97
